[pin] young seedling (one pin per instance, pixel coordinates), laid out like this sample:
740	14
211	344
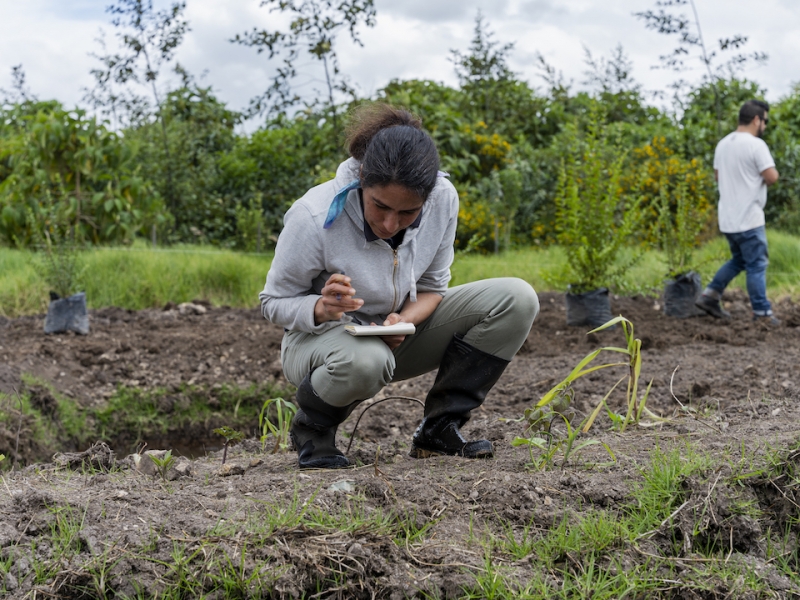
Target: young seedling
285	412
551	446
231	437
636	406
163	464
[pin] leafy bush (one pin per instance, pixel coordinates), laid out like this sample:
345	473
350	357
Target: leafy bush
783	137
594	217
185	170
64	163
676	202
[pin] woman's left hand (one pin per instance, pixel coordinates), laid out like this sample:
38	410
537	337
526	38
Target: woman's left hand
393	341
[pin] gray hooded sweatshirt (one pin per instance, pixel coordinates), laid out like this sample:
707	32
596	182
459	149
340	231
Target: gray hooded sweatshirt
384	278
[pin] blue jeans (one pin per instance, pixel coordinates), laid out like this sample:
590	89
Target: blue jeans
748	253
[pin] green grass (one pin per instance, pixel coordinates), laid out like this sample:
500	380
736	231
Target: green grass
141	277
588	552
131	415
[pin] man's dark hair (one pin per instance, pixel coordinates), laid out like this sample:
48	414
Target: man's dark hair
752	109
393	148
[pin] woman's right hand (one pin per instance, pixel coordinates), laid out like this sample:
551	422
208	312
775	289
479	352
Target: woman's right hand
336	299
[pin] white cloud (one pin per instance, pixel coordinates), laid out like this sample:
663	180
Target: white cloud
412	39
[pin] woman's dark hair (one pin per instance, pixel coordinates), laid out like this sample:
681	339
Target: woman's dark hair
392	148
752	109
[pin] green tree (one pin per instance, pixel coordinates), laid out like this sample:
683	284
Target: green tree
64	169
148	40
594	218
199	135
276	165
313	31
483	72
691	46
783	137
19	93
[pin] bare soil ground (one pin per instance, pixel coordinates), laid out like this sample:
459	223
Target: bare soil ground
740	379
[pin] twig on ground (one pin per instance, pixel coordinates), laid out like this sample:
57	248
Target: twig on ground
355	427
426	564
453	494
650	533
708	497
750	400
694	416
783	494
19	428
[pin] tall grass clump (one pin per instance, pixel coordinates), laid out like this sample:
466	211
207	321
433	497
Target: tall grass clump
139	277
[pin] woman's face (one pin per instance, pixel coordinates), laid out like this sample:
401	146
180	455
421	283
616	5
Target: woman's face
390	208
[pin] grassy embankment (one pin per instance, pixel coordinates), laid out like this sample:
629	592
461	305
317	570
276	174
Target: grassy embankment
634	549
140	277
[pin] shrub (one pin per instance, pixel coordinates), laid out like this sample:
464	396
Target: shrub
594	216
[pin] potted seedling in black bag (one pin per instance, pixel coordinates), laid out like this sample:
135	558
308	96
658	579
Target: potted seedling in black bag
678	229
594	220
59	265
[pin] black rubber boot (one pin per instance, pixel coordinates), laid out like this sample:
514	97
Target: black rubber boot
313	430
465	376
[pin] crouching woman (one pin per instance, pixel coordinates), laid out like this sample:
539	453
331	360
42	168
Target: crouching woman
374	246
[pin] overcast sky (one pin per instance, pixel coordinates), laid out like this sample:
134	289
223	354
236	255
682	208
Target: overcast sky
53	39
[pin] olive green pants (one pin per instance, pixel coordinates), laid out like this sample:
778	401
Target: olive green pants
493	315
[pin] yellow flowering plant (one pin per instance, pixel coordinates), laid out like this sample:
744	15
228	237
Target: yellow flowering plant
676	202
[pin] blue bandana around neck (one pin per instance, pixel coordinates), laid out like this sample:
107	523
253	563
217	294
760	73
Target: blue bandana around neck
337	206
339	200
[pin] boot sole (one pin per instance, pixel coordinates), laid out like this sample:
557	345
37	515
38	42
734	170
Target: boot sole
325	463
423	453
714	312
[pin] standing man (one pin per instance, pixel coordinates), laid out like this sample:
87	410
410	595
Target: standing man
743	168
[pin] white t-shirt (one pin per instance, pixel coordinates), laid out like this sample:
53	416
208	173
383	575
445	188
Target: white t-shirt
739	159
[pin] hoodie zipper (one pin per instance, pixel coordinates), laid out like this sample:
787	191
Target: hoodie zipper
394	276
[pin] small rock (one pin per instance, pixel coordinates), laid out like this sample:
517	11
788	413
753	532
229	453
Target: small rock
120	495
144	462
548	501
343	485
256	462
356	549
182	469
474	494
230	469
189	308
10	582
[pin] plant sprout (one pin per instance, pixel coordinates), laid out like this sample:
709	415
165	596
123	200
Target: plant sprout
163	464
550	446
231	437
285	412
